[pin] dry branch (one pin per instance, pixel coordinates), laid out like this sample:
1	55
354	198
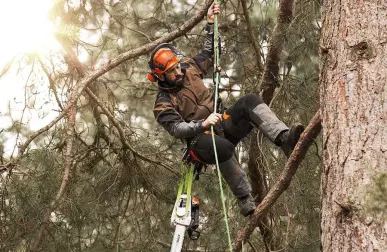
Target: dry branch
307	138
125	144
51	81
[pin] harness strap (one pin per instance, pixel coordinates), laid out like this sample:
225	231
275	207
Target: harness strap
193	155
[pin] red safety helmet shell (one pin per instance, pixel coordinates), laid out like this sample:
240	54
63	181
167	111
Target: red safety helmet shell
162	58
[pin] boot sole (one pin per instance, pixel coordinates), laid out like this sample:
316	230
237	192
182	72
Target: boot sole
248	213
295	132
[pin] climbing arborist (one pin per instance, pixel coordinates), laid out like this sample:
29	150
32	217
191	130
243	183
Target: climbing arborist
184	107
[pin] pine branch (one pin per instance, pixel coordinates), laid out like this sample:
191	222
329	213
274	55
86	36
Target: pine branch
125	144
70	108
307	138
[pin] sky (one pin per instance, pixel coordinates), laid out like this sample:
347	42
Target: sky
24	28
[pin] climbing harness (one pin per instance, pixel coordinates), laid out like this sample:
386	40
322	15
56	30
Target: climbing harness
185	213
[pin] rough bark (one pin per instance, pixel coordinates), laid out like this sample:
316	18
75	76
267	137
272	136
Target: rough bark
354	109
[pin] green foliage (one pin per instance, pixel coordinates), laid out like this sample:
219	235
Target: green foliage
27	197
377	196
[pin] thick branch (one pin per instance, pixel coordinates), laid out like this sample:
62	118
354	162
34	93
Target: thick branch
270	75
307	138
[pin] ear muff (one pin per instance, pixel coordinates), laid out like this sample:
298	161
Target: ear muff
153	77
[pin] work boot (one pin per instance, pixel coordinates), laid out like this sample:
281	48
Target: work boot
288	139
246	205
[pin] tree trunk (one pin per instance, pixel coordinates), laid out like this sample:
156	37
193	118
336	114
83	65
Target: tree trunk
354	114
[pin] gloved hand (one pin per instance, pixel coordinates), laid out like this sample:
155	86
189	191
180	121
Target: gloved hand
212	119
212	11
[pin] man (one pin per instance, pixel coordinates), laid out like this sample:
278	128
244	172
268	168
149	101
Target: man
184	107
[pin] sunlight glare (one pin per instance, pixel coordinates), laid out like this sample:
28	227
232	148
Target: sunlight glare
25	28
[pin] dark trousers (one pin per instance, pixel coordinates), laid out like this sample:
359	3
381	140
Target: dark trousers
238	121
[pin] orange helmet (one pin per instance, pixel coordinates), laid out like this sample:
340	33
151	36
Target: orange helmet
162	58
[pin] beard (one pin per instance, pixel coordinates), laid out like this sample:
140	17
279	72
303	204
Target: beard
177	82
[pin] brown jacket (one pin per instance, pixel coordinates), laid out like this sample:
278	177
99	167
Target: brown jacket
182	111
194	101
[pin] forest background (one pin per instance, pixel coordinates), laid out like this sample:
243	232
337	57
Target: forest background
101	175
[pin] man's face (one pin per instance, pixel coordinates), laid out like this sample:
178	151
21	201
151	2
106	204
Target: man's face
174	75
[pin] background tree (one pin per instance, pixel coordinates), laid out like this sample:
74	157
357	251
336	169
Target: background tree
101	176
353	102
